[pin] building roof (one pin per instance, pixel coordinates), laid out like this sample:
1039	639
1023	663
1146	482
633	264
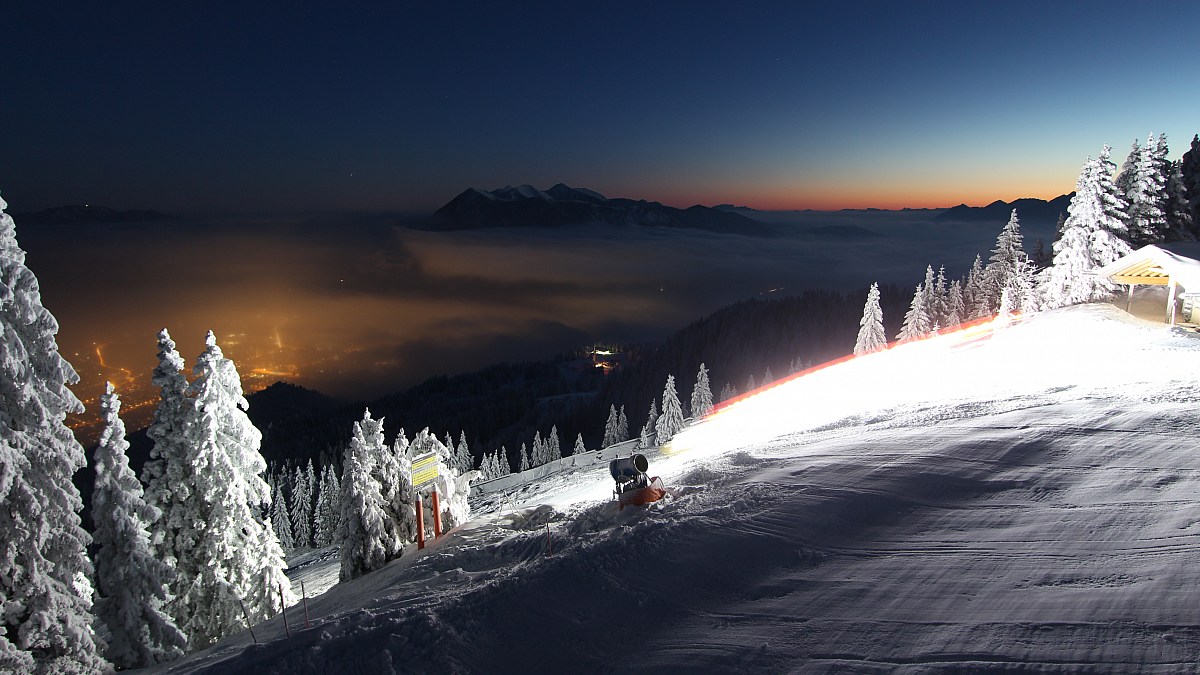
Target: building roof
1157	264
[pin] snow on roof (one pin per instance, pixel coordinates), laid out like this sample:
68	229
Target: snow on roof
1156	263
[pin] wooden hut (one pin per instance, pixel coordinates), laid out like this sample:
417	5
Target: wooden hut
1175	265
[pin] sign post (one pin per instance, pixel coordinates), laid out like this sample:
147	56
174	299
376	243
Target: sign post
425	472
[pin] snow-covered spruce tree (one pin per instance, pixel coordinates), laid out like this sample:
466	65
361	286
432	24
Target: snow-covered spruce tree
362	531
235	555
1010	269
956	310
1144	192
916	323
537	451
579	446
328	507
1091	238
702	400
728	392
939	301
523	465
301	504
1189	169
45	575
622	426
281	520
453	490
973	294
929	301
167	474
462	453
610	427
671	420
751	385
130	581
646	438
768	377
553	445
1180	226
393	472
871	337
1172	198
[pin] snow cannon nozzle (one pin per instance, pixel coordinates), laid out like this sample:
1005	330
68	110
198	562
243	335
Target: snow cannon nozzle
625	469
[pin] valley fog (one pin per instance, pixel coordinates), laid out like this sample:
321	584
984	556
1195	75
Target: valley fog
358	307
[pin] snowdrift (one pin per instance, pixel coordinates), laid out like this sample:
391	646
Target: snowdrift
1027	499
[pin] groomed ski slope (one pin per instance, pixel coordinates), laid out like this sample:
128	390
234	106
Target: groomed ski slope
1020	499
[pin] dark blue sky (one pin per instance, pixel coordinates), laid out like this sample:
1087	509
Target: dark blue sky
215	107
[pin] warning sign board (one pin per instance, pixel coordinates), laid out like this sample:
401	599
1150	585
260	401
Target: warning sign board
424	469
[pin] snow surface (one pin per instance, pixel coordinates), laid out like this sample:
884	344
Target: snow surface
1019	499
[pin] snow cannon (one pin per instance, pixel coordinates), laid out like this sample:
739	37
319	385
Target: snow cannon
634	488
625	469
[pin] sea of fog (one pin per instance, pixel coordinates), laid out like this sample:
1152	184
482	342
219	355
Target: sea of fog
358	306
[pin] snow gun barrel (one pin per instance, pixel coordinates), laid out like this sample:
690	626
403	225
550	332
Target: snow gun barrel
625	469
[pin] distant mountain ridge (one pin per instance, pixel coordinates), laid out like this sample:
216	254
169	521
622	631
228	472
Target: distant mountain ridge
563	205
999	211
75	214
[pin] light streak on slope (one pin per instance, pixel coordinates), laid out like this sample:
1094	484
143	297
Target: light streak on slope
903	374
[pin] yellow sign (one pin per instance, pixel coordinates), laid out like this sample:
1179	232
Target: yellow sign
424	469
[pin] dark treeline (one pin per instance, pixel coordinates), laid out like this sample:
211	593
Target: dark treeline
504	404
744	340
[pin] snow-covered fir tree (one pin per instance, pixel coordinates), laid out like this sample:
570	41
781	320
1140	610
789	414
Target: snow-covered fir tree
281	520
751	385
362	532
301	504
45	625
579	447
523	465
235	555
1091	238
701	403
916	322
871	337
610	428
646	438
130	581
670	422
329	508
728	392
768	377
167	474
622	425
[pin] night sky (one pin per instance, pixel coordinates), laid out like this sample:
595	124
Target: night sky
216	108
272	127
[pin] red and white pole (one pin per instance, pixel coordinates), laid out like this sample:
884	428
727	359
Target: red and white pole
437	516
420	524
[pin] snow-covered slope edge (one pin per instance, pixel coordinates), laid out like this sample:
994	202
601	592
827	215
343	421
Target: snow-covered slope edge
1051	525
